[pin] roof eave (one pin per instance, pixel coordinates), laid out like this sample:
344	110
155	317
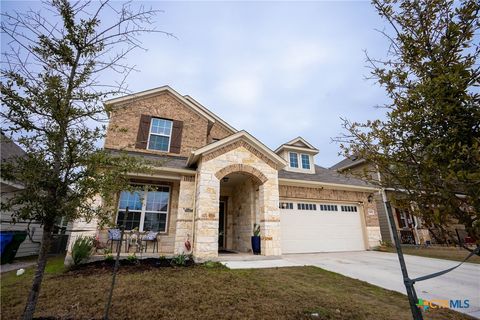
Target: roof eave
154	91
297	182
195	155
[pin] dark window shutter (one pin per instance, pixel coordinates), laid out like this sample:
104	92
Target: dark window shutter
176	140
143	131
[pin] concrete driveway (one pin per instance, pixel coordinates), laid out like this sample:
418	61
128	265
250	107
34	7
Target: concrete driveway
382	269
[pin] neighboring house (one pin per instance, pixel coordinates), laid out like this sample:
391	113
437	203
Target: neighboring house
410	228
215	182
9	151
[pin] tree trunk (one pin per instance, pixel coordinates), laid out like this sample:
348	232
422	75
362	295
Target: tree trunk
37	280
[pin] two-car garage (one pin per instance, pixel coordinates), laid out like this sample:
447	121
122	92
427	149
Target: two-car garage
320	227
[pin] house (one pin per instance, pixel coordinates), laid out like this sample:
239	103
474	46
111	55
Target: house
9	151
410	228
215	182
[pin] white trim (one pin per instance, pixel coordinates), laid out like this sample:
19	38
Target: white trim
290	160
195	155
161	135
295	182
12	184
309	161
300	139
158	90
143	211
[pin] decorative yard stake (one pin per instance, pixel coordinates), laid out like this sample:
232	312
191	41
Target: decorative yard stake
412	295
115	269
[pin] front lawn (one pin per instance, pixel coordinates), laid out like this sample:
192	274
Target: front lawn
207	293
447	253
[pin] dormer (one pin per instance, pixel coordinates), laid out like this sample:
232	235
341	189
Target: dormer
299	154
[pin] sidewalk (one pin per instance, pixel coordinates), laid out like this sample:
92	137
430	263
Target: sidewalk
16	265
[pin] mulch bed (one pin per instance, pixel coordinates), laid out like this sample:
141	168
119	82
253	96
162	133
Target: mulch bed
126	266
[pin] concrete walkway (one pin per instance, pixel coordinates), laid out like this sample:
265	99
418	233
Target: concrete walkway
382	269
16	265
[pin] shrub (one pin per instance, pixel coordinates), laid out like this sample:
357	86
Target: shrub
132	258
109	258
180	260
82	249
214	265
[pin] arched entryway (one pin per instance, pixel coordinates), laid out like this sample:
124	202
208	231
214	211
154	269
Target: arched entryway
239	209
242	181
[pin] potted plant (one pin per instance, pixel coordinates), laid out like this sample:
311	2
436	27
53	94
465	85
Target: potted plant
256	248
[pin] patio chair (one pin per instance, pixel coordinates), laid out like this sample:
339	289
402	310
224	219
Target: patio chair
114	236
151	236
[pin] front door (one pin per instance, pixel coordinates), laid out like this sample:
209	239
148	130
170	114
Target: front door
221	226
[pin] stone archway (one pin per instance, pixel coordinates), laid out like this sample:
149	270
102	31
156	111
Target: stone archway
255	173
210	173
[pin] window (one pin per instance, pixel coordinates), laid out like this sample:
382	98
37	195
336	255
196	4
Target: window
286	205
328	207
306	206
160	134
305	161
293	160
349	208
296	159
147	210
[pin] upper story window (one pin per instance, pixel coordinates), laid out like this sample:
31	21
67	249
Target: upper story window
160	134
297	159
305	161
293	160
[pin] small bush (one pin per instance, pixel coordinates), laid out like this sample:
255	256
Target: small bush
82	249
109	258
387	244
180	260
214	265
132	258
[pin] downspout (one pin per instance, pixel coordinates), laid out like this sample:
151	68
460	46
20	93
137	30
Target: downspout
415	227
384	200
194	210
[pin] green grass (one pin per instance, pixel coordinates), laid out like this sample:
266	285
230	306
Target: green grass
208	292
446	253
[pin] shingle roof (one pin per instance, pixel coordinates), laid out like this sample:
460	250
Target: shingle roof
323	175
347	162
9	148
164	160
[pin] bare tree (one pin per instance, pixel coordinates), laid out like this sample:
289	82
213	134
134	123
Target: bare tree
53	84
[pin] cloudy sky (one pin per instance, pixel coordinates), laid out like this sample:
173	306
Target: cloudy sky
276	69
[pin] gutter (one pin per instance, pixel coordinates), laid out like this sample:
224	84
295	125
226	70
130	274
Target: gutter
296	182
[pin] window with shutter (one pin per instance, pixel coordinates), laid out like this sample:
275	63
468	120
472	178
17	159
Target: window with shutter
160	134
176	142
143	132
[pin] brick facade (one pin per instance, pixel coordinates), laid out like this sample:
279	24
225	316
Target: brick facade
125	119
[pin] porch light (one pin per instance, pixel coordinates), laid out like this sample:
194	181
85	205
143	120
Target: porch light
225	179
370	198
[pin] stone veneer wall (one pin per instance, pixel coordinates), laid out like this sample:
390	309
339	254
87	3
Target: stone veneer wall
207	198
243	211
369	209
184	222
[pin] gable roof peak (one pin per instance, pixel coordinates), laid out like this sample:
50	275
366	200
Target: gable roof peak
298	143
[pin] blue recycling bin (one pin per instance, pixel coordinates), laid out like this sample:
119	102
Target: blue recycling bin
5	239
10	242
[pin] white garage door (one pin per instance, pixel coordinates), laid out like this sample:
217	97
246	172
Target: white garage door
320	227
